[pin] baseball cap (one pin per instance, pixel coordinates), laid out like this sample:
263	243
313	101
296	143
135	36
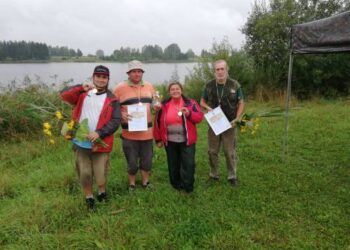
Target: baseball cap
101	70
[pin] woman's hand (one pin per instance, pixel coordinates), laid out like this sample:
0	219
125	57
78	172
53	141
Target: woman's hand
185	111
159	144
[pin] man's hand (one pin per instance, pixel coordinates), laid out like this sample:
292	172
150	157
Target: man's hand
88	86
208	108
126	117
157	107
234	122
93	136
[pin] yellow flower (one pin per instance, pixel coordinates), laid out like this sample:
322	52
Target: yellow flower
70	124
46	125
47	132
52	141
253	132
59	115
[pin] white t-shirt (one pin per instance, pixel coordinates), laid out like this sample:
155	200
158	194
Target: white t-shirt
92	108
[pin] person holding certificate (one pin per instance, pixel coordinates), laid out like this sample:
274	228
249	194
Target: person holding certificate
175	128
135	96
227	94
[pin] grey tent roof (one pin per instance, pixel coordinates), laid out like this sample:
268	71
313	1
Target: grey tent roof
328	35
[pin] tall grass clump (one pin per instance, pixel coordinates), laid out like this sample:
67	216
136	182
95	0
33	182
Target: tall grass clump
24	109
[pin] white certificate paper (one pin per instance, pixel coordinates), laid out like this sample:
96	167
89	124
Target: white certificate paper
138	115
217	120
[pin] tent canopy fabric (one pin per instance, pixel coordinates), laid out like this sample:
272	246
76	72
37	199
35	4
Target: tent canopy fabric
328	35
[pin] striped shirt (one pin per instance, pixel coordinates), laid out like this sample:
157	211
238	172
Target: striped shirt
128	93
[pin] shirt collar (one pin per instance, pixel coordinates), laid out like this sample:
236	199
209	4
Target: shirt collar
130	83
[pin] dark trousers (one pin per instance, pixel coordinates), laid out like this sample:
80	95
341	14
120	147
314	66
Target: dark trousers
138	154
181	165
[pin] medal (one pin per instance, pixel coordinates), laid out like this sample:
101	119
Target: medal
179	113
94	91
140	104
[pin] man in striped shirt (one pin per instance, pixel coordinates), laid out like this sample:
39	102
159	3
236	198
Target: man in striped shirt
137	145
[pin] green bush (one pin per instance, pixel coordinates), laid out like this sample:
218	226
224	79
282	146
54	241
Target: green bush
23	110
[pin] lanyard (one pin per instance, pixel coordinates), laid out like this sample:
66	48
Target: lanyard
138	89
222	92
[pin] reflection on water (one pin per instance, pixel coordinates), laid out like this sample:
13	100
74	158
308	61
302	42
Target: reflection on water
75	73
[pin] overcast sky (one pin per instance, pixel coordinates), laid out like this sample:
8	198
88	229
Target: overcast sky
109	24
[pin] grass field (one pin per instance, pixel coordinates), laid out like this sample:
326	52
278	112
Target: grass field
299	202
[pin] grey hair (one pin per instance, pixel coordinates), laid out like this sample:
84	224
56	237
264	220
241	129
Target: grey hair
220	61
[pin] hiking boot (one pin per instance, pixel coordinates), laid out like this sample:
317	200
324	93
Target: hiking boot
102	197
233	182
90	204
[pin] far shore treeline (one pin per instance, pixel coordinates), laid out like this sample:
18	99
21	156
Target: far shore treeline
14	51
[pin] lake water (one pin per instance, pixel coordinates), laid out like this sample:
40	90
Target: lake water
75	73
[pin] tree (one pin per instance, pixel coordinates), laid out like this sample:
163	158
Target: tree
100	53
147	52
172	52
190	54
79	53
267	32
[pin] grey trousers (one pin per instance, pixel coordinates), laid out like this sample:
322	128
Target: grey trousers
228	140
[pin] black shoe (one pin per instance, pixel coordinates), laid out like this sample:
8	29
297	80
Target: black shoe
233	182
90	204
102	197
213	178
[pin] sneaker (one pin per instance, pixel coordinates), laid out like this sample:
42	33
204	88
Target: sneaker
131	187
102	197
233	182
90	204
148	185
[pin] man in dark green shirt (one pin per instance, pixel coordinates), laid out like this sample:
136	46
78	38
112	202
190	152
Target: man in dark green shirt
226	93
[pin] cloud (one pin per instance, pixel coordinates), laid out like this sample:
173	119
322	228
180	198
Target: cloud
108	25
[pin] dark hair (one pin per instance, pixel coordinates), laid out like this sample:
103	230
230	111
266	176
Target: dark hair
175	83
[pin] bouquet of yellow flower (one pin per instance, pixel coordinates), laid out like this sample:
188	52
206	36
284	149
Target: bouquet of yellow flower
79	131
248	123
251	122
70	129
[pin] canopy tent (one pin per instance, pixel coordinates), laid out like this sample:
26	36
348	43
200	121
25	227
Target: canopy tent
328	35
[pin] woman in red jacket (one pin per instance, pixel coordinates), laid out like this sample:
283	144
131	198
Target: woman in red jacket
175	128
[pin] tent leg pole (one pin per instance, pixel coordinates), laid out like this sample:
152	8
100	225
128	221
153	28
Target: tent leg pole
289	88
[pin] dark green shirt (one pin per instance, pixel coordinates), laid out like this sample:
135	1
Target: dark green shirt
220	89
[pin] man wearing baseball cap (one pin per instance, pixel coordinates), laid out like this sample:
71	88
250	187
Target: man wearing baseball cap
137	145
93	101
